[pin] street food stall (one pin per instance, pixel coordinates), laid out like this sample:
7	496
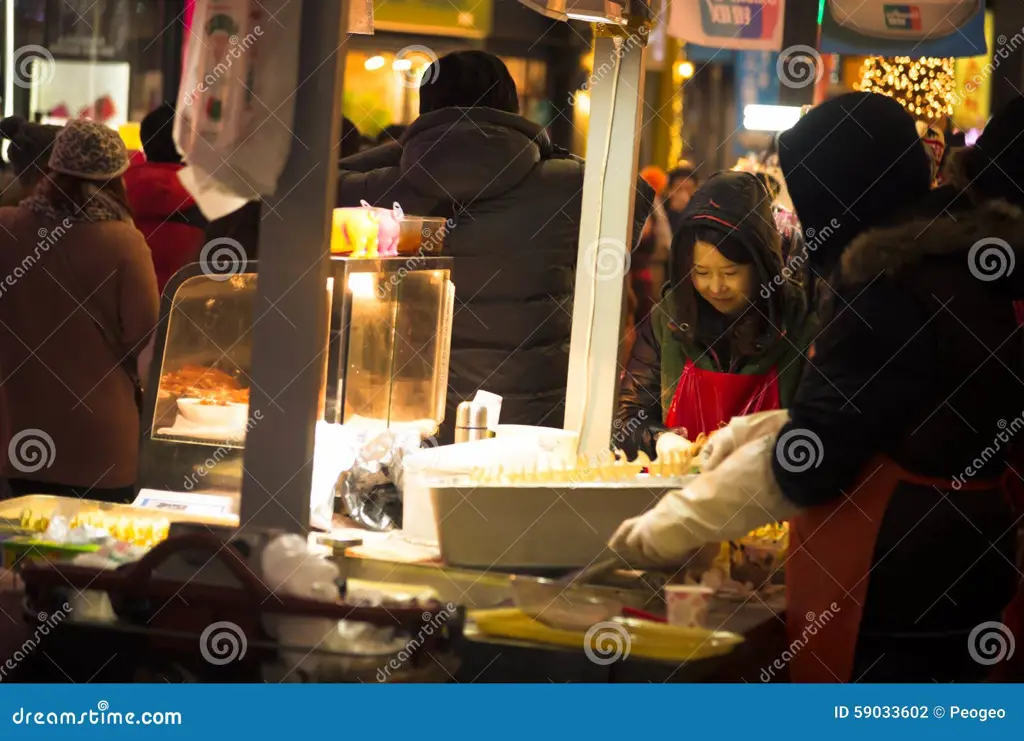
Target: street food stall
276	389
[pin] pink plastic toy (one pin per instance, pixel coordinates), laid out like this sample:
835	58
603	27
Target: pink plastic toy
390	227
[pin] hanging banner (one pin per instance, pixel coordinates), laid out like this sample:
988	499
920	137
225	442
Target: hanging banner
466	18
972	101
754	25
925	28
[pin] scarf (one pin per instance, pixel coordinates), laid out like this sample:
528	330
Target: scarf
99	206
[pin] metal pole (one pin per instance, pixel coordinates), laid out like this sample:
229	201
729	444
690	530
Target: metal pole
609	190
290	328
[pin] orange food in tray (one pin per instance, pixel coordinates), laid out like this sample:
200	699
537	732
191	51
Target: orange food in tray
210	385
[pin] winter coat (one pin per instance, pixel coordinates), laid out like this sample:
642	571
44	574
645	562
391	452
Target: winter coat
514	201
60	376
919	360
662	350
166	214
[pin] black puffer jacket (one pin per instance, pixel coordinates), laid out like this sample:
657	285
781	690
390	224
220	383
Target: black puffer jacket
515	200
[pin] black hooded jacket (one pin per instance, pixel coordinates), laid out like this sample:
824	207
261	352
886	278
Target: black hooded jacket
736	204
918	361
515	202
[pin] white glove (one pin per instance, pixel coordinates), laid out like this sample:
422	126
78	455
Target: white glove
726	504
737	433
669	443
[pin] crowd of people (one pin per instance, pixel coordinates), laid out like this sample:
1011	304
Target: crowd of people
890	355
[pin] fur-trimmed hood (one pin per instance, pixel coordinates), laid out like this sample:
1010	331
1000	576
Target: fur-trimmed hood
990	238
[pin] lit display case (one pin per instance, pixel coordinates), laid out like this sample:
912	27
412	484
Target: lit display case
387	364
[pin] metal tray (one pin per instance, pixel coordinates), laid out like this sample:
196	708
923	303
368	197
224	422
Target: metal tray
46	505
535	527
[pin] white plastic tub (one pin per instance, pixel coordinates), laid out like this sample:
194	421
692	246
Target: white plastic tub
535	527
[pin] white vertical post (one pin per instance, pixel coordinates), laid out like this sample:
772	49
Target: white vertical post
290	332
609	190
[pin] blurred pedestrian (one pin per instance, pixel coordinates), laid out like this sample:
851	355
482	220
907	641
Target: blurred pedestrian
164	210
682	184
514	202
27	153
79	302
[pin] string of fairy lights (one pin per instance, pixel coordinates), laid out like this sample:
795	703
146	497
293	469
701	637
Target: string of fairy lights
925	87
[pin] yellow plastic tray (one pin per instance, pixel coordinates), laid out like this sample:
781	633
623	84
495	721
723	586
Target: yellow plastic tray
644	639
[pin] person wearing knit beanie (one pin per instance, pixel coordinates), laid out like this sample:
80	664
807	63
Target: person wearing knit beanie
468	79
855	161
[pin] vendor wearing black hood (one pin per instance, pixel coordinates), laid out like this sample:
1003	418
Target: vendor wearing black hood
889	462
728	337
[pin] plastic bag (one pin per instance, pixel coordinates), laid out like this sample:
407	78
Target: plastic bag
371	494
236	103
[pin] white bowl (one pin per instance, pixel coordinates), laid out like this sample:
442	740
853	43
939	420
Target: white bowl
229	415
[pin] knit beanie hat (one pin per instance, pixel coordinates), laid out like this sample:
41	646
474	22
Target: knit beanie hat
90	151
468	79
851	164
157	134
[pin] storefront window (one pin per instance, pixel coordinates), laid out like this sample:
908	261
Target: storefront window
381	88
99	59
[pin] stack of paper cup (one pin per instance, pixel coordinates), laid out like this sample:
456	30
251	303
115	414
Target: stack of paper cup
687	606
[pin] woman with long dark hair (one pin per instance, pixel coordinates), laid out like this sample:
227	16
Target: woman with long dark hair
78	301
728	337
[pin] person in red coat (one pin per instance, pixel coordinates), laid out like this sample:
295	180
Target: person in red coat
163	210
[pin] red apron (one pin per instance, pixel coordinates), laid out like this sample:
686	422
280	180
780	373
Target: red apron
822	569
705	400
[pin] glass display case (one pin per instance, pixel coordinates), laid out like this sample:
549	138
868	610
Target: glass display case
387	364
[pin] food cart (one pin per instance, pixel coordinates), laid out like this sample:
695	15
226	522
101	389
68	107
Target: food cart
249	368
